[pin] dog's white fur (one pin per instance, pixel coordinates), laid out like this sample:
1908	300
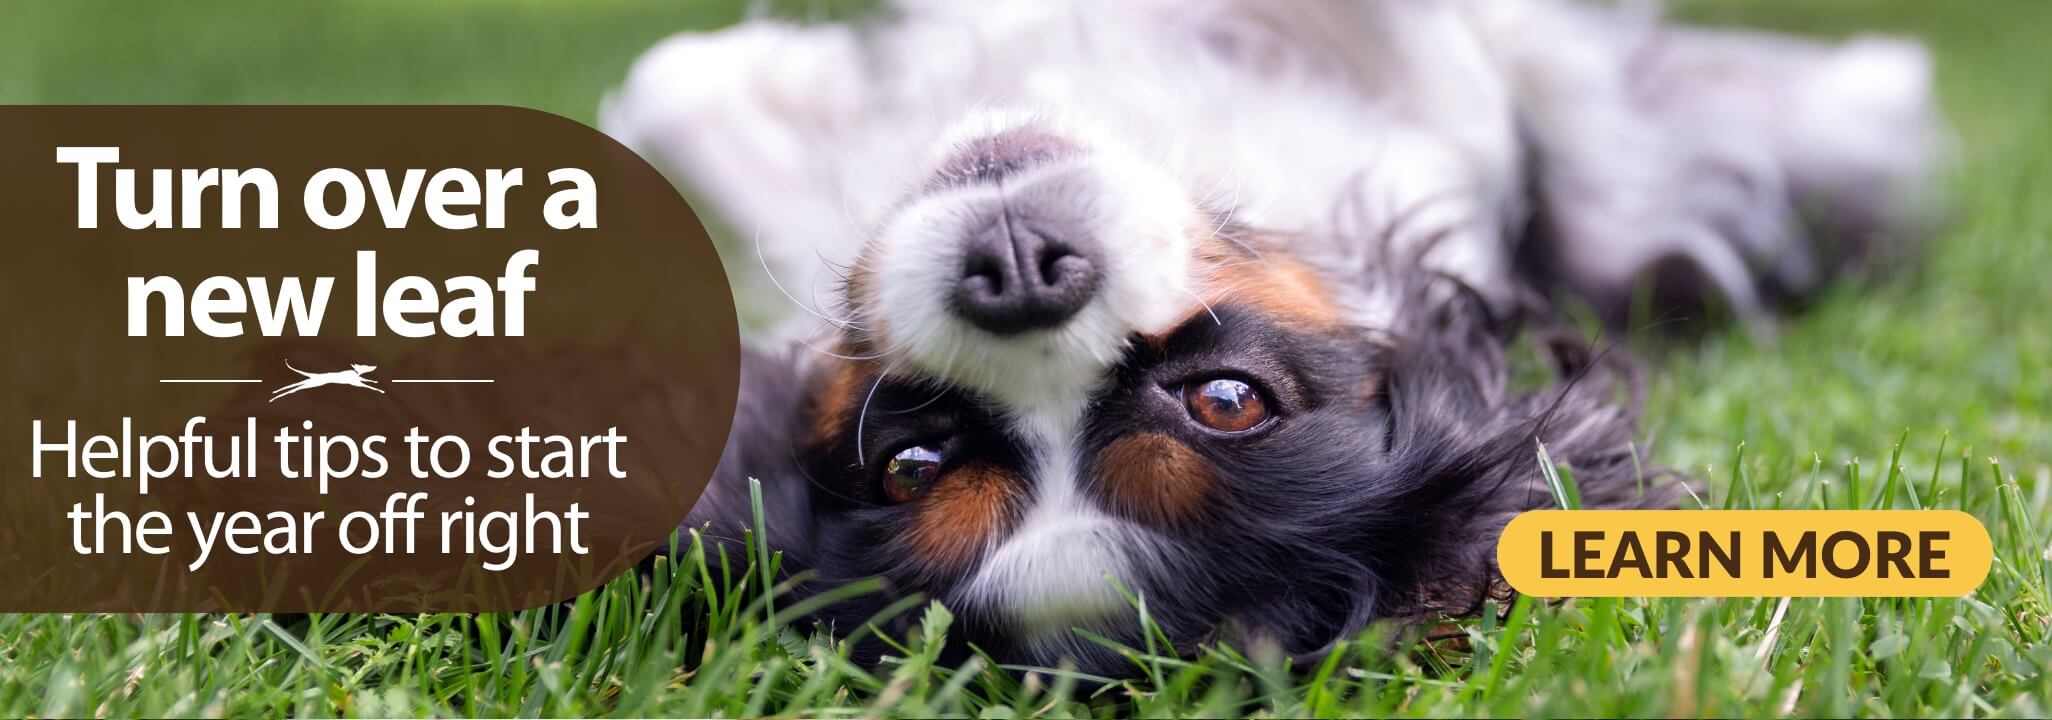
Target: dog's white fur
1327	120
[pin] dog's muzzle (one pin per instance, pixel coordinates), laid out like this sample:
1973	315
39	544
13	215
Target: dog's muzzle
1030	266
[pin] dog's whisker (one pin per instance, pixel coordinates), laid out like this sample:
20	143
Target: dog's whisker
1234	238
840	270
847	214
764	261
1207	307
1217	187
798	463
1218	231
862	417
941	393
1237	263
828	328
953	352
829	353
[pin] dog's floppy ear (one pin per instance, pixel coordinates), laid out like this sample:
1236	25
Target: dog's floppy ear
767	422
1466	444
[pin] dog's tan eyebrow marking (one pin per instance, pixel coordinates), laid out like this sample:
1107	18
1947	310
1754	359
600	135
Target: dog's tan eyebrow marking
834	402
967	510
1230	268
1155	478
1280	287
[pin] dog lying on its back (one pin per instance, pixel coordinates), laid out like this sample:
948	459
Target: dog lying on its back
1211	301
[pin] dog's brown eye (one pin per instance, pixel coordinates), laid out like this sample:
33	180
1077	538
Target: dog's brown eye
910	472
1225	405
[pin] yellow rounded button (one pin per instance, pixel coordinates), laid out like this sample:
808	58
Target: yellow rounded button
1744	553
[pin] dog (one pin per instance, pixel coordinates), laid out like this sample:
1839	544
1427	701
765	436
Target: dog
1211	306
353	377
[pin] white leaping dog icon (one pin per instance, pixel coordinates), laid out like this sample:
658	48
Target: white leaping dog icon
353	377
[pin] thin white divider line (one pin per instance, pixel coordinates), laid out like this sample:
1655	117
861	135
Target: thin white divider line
207	380
443	380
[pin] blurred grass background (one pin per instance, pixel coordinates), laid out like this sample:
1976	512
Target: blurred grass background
1960	343
1957	351
546	54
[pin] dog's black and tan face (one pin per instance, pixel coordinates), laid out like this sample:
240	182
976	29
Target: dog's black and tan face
1064	387
1064	379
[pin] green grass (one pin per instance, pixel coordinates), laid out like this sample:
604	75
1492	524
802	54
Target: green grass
1951	361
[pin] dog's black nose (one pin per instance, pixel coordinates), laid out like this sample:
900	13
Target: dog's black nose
1018	277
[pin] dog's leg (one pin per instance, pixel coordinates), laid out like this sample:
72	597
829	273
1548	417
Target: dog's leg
1695	158
1843	137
